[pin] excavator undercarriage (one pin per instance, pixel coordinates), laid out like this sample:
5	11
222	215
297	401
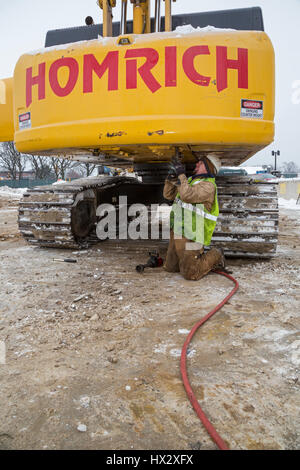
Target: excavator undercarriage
65	215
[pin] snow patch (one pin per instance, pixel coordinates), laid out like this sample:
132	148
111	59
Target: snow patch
268	334
160	348
81	428
289	204
188	29
179	31
177	352
59	182
295	356
63	47
60	47
287	180
85	401
17	193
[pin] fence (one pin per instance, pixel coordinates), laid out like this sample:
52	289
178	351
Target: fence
26	183
289	175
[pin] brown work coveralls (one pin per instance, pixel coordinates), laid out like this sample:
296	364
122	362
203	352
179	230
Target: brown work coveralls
193	264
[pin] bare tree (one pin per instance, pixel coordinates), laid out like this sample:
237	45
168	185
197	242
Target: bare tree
41	166
290	167
12	161
85	169
89	168
75	173
60	166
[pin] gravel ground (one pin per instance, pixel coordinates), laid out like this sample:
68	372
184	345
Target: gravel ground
93	348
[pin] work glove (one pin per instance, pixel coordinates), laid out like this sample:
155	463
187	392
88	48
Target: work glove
176	169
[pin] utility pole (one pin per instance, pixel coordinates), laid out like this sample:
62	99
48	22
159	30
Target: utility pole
276	154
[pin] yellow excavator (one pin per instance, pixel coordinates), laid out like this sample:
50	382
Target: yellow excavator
134	93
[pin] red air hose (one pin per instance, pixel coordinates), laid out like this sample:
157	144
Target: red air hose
207	424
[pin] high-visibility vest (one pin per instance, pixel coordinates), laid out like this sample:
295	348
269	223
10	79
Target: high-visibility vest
194	221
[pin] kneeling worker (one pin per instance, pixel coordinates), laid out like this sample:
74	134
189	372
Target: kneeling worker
193	219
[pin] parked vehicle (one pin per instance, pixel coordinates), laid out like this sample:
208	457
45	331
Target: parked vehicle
263	177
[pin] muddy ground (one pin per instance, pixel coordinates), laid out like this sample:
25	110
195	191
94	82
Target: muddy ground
93	348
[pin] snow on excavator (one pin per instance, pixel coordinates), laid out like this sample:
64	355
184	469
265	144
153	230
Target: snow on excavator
135	93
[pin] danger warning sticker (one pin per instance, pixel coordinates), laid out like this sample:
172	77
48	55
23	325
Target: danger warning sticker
252	109
25	120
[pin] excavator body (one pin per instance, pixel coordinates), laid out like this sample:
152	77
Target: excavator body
136	95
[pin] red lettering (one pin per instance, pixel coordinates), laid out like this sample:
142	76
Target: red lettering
131	74
223	64
171	66
110	63
152	58
37	80
189	68
73	67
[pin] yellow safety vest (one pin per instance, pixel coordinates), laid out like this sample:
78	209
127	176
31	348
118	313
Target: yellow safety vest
193	221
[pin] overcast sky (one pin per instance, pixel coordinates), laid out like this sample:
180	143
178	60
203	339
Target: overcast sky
24	23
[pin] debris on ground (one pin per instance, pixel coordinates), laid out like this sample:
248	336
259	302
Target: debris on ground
93	362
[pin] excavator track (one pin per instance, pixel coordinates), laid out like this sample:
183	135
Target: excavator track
248	222
64	215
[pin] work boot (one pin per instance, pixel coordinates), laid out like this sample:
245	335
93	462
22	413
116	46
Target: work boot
194	266
222	263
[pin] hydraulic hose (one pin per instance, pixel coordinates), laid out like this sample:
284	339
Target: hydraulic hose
183	369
